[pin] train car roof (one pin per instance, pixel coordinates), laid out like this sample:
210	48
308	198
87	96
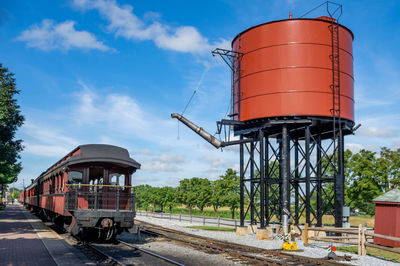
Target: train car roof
102	153
91	153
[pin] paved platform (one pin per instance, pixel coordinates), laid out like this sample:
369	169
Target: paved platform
25	240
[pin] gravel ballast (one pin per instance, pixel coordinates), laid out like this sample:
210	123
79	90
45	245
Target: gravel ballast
314	250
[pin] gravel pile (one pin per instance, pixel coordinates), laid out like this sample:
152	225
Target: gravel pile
314	250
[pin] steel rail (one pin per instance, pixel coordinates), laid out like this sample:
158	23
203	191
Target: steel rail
152	253
273	256
105	254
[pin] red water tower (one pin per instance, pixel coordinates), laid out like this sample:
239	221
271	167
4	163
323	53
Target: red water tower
292	104
293	100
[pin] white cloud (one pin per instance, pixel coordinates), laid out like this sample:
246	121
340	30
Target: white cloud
164	163
124	23
353	147
47	150
46	142
376	132
48	35
120	115
214	160
145	152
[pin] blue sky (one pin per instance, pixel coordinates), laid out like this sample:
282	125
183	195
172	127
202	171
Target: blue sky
102	71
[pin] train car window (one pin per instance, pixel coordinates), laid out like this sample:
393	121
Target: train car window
75	177
113	179
117	179
121	180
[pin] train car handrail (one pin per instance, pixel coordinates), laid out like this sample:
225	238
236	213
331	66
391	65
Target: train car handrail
113	197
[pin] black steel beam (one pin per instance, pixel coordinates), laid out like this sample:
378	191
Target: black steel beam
266	167
252	182
242	184
296	182
319	182
339	183
307	159
285	196
262	190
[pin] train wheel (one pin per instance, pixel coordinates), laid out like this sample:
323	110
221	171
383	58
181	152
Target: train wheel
73	228
110	233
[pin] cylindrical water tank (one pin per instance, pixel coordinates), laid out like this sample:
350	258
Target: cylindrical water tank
286	70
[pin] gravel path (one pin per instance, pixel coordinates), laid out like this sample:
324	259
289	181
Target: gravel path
314	250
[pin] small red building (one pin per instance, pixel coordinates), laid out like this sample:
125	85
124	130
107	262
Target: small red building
387	217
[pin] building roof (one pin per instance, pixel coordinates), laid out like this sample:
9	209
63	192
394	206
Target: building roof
391	196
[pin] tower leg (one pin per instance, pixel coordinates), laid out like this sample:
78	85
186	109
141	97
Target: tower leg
308	176
262	182
285	214
319	182
241	183
252	183
339	182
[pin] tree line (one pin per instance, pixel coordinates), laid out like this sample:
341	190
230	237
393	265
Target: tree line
368	175
10	120
193	192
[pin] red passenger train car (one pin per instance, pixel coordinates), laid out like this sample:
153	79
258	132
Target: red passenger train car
87	191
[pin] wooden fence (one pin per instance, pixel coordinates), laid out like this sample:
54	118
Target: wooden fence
351	236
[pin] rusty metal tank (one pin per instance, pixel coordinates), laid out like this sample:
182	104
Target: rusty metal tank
286	70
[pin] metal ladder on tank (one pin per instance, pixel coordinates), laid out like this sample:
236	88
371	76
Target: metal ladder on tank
335	86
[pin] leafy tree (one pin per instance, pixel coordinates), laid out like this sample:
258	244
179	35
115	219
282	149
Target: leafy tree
143	196
194	192
204	192
156	197
10	120
230	183
169	197
388	168
187	194
217	195
363	181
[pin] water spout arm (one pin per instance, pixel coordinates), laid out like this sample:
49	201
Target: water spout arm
200	131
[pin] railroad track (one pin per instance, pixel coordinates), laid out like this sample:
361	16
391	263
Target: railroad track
122	253
113	253
249	254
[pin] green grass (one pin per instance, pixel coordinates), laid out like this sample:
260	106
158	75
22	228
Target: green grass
372	252
212	228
